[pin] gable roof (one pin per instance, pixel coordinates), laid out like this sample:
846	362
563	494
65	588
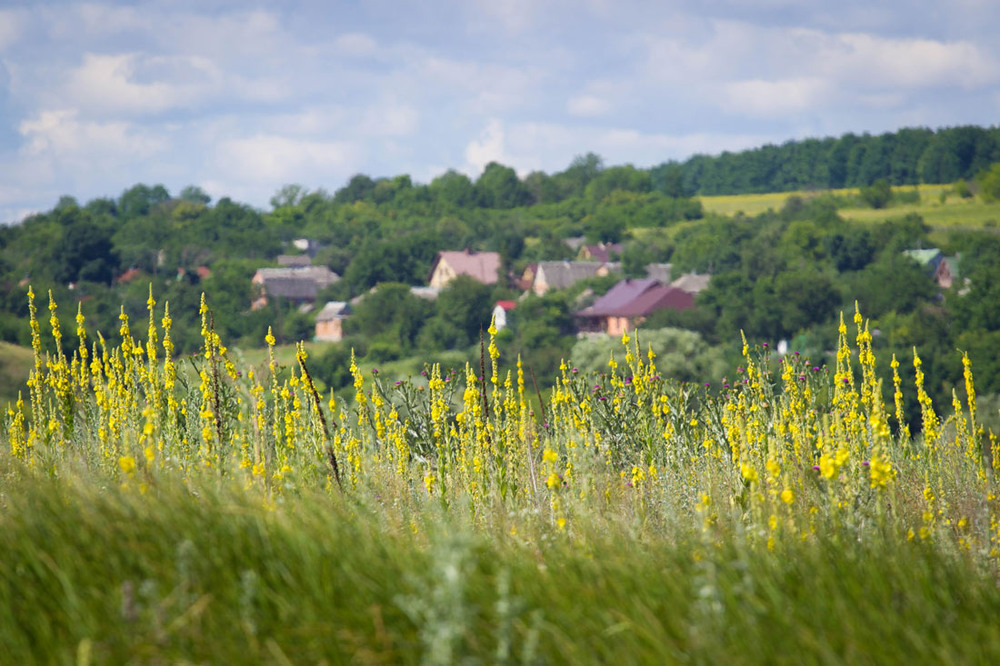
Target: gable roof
659	272
928	259
321	275
618	297
481	266
505	305
292	288
692	283
638	298
333	310
564	274
601	252
294	260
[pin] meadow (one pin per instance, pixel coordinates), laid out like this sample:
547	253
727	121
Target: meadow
157	509
951	212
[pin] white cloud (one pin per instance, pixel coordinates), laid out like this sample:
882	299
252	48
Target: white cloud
356	44
489	147
11	27
389	119
513	15
768	98
486	89
61	136
275	159
110	83
872	61
588	106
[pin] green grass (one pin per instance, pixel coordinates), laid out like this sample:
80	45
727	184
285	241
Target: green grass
202	573
15	364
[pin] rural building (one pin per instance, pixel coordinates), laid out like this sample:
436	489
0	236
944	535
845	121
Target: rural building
947	272
298	285
330	321
294	260
928	259
480	266
629	303
500	311
564	274
601	252
659	272
692	283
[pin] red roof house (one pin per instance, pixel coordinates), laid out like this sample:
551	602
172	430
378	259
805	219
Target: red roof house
630	302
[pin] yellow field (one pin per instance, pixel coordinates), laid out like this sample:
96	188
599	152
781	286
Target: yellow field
953	212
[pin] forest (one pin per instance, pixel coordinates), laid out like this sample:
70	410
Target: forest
782	274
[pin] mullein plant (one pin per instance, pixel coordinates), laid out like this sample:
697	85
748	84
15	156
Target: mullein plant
783	450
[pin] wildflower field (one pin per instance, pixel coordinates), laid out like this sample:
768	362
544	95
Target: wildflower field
156	509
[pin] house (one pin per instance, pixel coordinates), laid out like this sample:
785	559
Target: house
527	278
564	274
659	272
480	266
298	285
947	272
630	302
928	259
692	283
294	260
330	321
500	311
601	252
426	293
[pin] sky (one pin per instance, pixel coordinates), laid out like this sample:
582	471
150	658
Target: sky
242	98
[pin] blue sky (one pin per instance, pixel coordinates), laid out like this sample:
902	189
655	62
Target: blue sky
242	98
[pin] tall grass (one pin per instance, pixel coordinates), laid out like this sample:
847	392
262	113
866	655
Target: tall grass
216	514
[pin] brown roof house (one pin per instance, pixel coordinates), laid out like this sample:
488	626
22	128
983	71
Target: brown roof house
481	266
564	274
630	302
298	285
330	321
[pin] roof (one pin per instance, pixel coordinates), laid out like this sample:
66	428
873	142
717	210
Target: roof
692	283
481	266
952	264
639	298
426	293
659	272
564	274
294	260
294	288
618	297
928	258
321	275
506	305
602	251
333	310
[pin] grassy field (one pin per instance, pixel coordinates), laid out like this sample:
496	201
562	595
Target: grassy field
239	517
954	212
15	363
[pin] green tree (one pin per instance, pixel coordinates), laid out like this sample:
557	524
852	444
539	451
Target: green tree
499	187
390	313
878	194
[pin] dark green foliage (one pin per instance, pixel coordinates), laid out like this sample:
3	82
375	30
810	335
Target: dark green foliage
906	157
390	314
878	194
